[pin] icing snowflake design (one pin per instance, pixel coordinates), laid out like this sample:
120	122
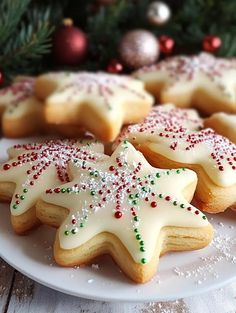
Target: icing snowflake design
38	166
165	129
166	117
189	66
126	197
18	92
102	85
186	68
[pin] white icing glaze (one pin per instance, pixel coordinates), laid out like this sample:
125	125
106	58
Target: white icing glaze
18	99
175	137
128	185
182	75
36	167
106	93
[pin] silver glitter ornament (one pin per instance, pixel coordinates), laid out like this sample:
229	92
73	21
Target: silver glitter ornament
139	48
158	13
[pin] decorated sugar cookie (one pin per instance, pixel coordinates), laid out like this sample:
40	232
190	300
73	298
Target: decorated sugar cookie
32	168
99	102
21	112
201	81
125	207
171	142
224	124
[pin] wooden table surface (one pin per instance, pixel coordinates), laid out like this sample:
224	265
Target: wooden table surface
19	294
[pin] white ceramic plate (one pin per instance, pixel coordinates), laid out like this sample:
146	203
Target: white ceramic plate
179	274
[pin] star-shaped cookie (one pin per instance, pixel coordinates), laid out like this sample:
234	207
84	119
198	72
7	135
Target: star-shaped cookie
124	207
99	102
32	168
224	124
21	113
202	81
167	140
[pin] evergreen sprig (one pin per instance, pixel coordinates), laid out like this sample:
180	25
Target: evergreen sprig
25	33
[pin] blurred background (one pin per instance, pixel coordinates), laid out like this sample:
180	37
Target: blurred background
116	36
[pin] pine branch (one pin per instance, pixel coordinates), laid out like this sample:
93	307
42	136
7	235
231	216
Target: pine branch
30	44
11	12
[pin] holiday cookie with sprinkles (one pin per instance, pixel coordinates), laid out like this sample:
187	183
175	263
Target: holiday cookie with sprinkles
168	140
20	111
99	102
32	168
124	207
202	81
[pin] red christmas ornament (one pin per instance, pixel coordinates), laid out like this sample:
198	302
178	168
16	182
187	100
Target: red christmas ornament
211	43
114	67
1	78
69	44
166	44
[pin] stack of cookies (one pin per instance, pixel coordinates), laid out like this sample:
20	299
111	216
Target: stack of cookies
127	190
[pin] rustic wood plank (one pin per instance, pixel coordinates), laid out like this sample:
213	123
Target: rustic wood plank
6	280
28	297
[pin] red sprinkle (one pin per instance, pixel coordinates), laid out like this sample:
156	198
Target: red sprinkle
6	167
118	214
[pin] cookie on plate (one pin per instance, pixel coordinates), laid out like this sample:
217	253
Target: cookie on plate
99	102
167	140
124	207
224	124
32	168
201	81
21	113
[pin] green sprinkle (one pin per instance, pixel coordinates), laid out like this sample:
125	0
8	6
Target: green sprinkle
25	190
136	218
92	193
138	236
81	225
178	171
143	261
160	195
22	197
75	160
125	141
168	172
103	179
175	203
183	169
14	206
135	202
141	242
144	189
204	217
86	217
66	232
91	173
137	195
96	173
158	175
136	230
182	205
74	231
152	182
63	190
142	249
131	196
68	189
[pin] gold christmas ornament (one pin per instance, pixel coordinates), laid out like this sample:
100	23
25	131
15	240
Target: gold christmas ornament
158	13
138	48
